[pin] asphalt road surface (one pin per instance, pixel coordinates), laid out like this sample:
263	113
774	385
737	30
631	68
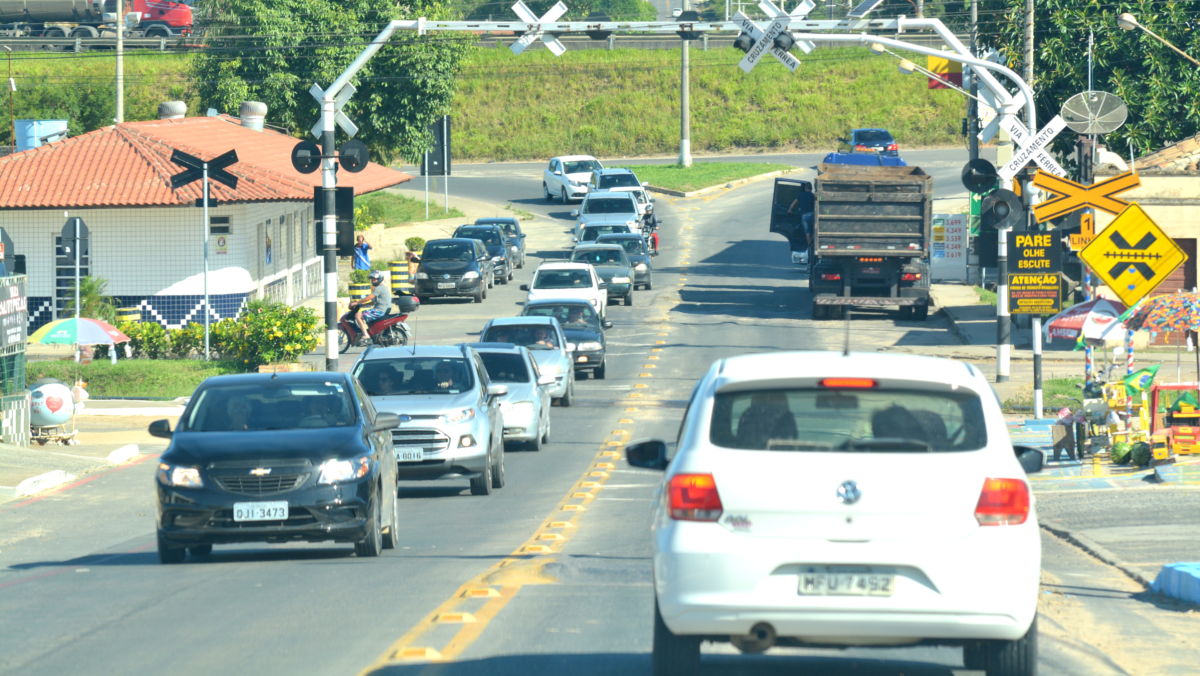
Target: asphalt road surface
549	575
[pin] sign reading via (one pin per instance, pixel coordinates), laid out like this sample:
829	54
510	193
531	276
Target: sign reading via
1132	255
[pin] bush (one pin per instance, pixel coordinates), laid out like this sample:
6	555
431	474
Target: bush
189	340
360	276
269	333
1120	452
1140	455
147	340
415	243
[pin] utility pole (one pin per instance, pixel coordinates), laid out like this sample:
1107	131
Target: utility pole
920	9
973	99
1028	74
685	123
329	226
120	116
12	87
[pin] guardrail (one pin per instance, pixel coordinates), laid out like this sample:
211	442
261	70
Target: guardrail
83	44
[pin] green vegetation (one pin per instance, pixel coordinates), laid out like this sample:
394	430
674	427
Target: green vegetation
521	214
986	296
392	209
701	174
142	378
93	303
1056	393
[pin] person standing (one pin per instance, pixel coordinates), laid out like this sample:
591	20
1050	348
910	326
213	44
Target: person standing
362	259
805	205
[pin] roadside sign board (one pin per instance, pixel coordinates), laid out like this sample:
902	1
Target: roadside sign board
1034	293
1087	231
1031	149
1132	255
1071	196
948	251
764	41
1034	252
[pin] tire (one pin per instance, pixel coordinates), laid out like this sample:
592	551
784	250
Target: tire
498	472
818	311
510	275
673	655
1013	658
649	284
600	371
482	485
480	294
200	550
399	337
563	196
372	544
85	32
343	341
158	32
546	191
629	298
536	444
491	282
569	395
167	553
906	312
503	279
921	312
392	538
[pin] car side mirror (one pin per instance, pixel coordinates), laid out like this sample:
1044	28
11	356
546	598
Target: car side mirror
1032	459
524	287
647	454
160	428
602	286
546	379
497	390
558	172
385	422
654	252
521	236
574	213
607	323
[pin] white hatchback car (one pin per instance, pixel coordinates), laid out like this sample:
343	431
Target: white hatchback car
566	178
568	280
829	499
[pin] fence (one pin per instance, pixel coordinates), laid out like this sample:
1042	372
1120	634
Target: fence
14	418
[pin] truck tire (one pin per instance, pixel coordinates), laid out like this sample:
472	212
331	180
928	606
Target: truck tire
921	312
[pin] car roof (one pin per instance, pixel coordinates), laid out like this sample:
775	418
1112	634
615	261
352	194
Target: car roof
507	348
609	193
468	241
568	158
613	170
591	246
523	320
481	226
563	266
558	301
493	220
289	377
781	366
400	352
615	236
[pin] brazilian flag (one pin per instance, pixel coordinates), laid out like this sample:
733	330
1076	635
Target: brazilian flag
1140	380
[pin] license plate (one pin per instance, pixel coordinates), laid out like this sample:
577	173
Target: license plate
410	454
846	584
276	510
873	270
445	285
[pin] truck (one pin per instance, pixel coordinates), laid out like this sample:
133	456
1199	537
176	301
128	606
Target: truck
58	19
870	237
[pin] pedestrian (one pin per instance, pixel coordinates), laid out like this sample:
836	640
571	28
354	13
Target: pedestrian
805	205
362	260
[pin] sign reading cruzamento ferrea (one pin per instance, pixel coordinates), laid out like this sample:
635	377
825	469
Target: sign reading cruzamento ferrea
13	311
1034	293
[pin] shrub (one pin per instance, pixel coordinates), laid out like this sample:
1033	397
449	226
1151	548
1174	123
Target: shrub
147	340
269	332
415	243
1120	452
360	276
190	340
1140	455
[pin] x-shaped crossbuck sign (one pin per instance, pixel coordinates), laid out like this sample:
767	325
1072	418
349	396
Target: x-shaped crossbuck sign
764	38
1031	148
1072	196
339	117
535	31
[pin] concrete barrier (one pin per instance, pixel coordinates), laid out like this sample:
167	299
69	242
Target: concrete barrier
43	482
1179	581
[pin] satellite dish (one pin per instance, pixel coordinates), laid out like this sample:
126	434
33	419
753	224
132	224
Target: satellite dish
353	156
1094	112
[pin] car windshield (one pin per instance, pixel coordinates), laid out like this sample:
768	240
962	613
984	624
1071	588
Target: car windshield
599	257
630	244
608	205
872	137
570	315
618	181
415	375
505	367
486	235
435	251
580	166
848	420
273	406
562	279
591	232
532	336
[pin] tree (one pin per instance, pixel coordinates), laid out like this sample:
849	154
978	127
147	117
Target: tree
274	50
1159	86
94	303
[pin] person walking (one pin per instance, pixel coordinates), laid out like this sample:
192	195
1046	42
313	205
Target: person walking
362	259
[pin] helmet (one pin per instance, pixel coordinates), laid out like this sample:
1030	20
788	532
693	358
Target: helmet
376	276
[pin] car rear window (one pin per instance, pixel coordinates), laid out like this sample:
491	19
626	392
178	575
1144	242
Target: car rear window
632	245
532	336
849	420
619	181
600	257
873	137
415	375
609	205
505	367
591	232
447	252
270	407
568	314
562	279
580	166
485	235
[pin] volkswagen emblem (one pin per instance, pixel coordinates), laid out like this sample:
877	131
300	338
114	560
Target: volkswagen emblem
848	492
406	418
446	276
260	471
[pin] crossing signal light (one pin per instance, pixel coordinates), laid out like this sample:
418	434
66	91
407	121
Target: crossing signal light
979	176
1000	209
784	41
743	42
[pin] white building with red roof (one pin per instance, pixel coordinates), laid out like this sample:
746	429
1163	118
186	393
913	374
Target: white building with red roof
146	239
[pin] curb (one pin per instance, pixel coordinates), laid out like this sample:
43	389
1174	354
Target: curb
713	188
123	454
1095	549
43	482
955	329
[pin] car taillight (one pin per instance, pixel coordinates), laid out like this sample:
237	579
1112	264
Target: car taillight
893	147
856	383
694	497
910	277
831	277
1003	502
862	147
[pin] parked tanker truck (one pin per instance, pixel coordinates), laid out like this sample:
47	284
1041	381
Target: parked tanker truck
51	19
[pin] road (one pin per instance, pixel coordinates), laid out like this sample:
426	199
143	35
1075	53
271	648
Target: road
549	575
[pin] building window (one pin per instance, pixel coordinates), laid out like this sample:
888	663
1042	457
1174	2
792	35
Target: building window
218	225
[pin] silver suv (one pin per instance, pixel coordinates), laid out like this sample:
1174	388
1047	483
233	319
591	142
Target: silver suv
608	207
450	420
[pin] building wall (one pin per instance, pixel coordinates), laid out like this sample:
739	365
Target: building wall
153	257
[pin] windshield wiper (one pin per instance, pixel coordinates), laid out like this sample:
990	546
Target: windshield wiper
796	445
898	444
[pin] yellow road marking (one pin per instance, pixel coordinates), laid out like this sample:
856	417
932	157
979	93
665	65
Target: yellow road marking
455	618
480	593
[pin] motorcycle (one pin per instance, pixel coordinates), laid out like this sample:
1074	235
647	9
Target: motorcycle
388	330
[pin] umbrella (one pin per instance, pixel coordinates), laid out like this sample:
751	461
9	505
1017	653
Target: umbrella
1166	314
78	331
1096	320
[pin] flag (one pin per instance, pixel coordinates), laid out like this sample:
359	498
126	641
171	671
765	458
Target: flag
1140	380
1187	398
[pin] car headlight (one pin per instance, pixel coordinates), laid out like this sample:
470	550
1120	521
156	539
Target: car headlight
337	471
459	416
590	345
570	347
179	475
470	274
620	280
640	267
497	259
422	275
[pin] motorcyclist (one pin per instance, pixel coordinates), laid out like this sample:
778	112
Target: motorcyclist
373	307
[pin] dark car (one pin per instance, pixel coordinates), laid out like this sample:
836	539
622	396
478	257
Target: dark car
454	267
584	330
514	235
494	240
639	255
612	265
869	141
276	458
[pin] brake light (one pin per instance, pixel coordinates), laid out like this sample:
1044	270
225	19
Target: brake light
893	147
831	277
862	147
870	259
910	277
694	497
855	383
1003	502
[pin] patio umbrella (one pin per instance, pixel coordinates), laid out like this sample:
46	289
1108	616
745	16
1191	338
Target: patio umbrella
78	331
1093	320
1166	314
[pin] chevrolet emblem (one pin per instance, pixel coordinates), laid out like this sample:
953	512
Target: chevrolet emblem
260	471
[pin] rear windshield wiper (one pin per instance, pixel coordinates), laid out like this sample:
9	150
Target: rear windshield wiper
899	444
796	445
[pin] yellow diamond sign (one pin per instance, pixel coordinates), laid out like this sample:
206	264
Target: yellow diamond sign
1132	255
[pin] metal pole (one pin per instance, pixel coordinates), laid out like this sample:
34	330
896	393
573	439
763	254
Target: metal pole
329	228
426	185
1003	323
446	161
120	116
685	123
973	100
207	229
12	87
1029	47
77	294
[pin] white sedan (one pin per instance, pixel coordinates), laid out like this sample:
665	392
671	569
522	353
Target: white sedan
566	178
830	499
557	281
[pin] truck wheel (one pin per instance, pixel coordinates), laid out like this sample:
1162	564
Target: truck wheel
906	312
818	311
921	312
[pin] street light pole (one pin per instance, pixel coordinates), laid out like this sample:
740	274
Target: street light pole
120	116
1128	22
685	122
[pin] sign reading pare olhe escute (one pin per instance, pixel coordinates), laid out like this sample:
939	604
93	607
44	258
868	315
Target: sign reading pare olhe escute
1034	252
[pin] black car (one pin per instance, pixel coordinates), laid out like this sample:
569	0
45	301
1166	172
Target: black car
583	328
639	255
277	458
512	233
496	243
454	267
869	141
